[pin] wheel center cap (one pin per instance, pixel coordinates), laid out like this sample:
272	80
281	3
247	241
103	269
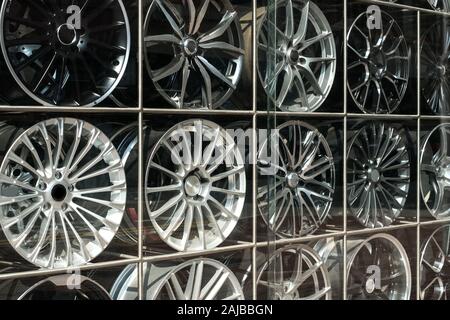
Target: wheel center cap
67	35
374	175
293	180
59	193
378	64
190	46
370	285
192	186
441	70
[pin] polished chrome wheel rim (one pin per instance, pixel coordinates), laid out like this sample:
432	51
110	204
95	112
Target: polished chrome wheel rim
304	56
435	172
435	265
377	268
66	287
63	193
295	273
435	65
194	201
57	63
195	54
197	279
378	174
378	64
304	181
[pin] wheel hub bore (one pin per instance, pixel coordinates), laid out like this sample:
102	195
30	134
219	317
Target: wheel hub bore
370	285
59	192
192	186
294	56
67	35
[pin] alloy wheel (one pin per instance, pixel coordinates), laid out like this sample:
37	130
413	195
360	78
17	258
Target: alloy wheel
295	273
303	54
435	170
63	193
59	288
197	279
378	174
304	180
435	65
435	265
195	185
377	267
378	64
193	61
56	61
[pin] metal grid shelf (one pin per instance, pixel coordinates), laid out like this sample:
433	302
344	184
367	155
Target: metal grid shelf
141	113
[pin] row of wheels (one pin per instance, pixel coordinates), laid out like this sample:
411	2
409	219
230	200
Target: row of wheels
378	268
195	54
64	184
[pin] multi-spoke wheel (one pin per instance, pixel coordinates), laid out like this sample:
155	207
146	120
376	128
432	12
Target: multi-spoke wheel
304	180
378	174
435	65
62	193
303	55
435	172
193	51
435	265
66	287
61	59
198	279
195	185
377	268
295	273
378	64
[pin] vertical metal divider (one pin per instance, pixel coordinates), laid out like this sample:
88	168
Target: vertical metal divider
140	157
254	149
418	195
344	157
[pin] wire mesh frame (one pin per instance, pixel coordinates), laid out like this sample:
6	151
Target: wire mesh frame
140	112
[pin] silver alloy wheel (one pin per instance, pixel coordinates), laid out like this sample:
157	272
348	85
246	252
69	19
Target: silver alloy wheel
194	57
378	64
304	56
56	62
295	272
197	279
199	199
66	287
378	174
440	5
435	65
435	265
63	193
304	180
365	257
435	171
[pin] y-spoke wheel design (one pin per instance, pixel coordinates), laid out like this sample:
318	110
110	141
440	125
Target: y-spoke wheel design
377	268
195	185
304	181
435	172
435	66
435	265
58	288
193	51
56	61
304	55
295	273
378	64
198	279
378	174
62	193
